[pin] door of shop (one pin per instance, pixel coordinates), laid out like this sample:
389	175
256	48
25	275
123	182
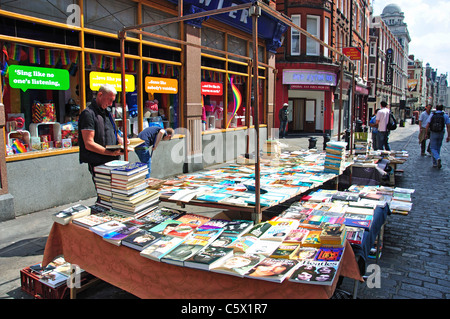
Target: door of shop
298	115
310	116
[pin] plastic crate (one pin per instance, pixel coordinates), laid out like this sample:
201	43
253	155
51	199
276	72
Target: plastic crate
31	285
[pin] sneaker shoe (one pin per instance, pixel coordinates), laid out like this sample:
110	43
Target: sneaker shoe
439	165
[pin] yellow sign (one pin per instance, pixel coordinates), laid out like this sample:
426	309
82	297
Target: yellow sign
161	85
98	78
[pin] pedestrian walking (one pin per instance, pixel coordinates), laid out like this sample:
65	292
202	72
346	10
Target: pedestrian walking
424	134
436	124
374	128
381	122
283	116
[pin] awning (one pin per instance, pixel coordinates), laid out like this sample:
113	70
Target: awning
269	28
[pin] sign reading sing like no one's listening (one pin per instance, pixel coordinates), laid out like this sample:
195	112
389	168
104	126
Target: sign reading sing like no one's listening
31	77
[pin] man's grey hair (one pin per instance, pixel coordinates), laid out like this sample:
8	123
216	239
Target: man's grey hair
107	88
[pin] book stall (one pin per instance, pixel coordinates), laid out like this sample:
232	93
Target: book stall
161	252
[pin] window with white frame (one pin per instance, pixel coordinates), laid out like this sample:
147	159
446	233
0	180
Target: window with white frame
373	49
313	27
295	35
372	70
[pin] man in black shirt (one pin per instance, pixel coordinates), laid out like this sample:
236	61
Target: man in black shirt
96	129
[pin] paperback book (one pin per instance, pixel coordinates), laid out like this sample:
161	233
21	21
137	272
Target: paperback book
161	247
65	216
315	272
272	269
208	258
141	239
237	264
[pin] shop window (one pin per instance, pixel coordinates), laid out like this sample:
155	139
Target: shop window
161	97
109	15
28	30
101	43
212	100
40	9
213	38
41	97
161	53
171	30
236	107
237	45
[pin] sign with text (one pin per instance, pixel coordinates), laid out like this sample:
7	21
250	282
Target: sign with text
388	76
352	53
309	77
98	78
210	88
161	85
31	77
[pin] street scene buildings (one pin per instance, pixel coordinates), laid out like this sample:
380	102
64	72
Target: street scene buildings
332	61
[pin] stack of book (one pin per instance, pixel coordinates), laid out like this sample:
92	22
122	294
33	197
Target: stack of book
102	181
130	193
333	235
334	157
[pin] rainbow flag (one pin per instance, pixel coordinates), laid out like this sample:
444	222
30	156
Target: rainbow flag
50	56
18	147
14	52
90	59
237	97
131	66
65	57
101	62
73	55
33	54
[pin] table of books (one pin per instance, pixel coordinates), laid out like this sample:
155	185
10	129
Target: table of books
127	269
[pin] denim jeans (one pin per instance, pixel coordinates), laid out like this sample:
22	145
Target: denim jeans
435	145
143	153
283	128
383	141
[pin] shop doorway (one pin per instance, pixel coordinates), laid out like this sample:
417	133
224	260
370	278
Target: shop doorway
303	115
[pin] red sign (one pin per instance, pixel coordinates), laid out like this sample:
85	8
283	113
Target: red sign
352	52
210	88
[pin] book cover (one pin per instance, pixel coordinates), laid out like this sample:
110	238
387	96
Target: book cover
312	239
182	230
64	216
223	241
305	253
90	220
241	244
237	227
186	249
296	235
161	247
263	247
208	258
166	226
237	264
130	169
272	269
285	251
315	272
329	254
355	235
107	227
194	219
279	230
141	239
258	230
116	236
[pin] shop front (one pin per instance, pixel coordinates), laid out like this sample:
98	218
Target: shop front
52	68
310	95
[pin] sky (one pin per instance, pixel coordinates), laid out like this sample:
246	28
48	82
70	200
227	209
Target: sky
429	28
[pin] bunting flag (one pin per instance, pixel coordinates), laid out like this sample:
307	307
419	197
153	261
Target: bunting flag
131	65
33	54
90	59
65	57
51	56
237	97
14	52
73	56
100	62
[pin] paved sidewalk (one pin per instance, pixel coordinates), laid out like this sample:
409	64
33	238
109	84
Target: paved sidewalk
415	257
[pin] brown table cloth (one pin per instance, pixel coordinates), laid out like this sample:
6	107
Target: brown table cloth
123	267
